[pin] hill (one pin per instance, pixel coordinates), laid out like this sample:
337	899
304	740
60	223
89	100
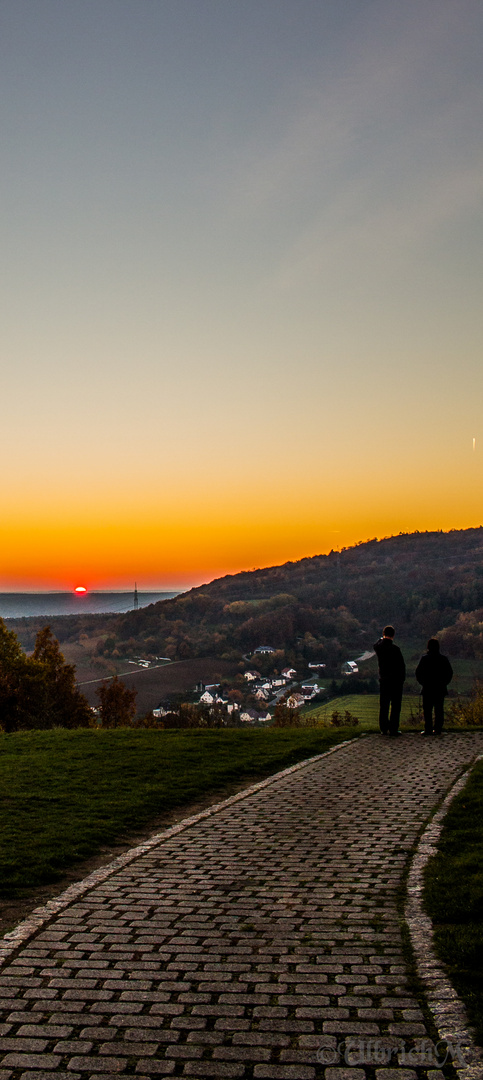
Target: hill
323	607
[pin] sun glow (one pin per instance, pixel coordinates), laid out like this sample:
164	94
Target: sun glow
80	589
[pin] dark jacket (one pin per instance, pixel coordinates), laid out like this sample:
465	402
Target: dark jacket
434	672
392	668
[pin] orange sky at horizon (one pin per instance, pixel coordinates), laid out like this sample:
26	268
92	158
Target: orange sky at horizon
192	528
188	552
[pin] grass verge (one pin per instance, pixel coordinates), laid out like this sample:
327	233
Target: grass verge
66	793
453	897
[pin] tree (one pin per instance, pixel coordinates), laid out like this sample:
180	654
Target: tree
38	691
117	704
63	704
10	661
284	715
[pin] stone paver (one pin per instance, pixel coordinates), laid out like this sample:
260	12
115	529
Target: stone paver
262	941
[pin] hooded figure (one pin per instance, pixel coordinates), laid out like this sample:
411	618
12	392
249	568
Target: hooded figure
434	672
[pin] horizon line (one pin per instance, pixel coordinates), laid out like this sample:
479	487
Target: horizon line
92	592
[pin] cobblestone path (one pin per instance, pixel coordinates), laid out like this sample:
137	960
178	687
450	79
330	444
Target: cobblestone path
247	943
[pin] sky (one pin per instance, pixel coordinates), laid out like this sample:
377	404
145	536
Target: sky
241	313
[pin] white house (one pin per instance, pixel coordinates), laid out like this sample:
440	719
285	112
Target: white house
295	701
211	697
248	716
349	668
261	693
250	676
316	664
309	690
262	649
290	672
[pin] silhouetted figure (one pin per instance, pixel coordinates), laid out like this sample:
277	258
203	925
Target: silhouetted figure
434	672
392	673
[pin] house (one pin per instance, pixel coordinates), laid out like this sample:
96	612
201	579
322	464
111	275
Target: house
316	664
295	701
250	716
261	693
264	716
211	697
278	682
290	672
309	690
263	649
250	676
349	668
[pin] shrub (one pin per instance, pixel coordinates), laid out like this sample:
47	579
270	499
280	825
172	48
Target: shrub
345	719
467	713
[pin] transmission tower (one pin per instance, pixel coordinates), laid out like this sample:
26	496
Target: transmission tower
136	598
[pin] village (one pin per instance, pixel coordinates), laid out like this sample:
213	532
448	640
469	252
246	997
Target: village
251	698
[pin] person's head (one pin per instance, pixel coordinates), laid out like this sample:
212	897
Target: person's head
433	645
389	632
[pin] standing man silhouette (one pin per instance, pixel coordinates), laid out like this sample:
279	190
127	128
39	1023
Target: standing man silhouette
434	672
392	673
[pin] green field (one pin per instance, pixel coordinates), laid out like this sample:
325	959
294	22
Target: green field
454	896
366	708
465	674
64	794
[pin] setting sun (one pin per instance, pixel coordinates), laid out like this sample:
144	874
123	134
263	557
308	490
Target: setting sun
80	589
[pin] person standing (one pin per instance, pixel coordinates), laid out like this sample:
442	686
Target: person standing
392	673
434	672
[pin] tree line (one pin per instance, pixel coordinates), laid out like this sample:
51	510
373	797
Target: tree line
40	692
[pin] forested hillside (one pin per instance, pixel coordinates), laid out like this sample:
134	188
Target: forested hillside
324	607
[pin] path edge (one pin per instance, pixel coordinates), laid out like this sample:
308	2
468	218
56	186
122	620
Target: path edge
14	939
447	1009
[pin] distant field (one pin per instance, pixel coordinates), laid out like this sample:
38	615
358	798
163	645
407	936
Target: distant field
153	684
364	706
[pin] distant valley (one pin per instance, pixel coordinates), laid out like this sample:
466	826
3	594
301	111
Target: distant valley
326	608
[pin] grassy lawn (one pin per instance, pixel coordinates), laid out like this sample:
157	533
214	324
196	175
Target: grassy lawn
454	897
66	793
364	706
